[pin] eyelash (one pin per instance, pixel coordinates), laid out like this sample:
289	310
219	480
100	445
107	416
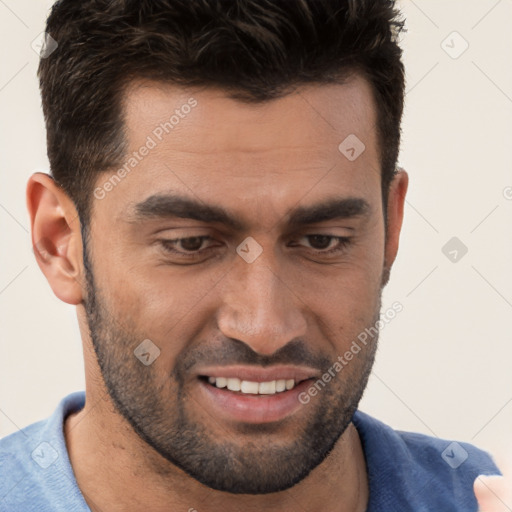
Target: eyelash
343	243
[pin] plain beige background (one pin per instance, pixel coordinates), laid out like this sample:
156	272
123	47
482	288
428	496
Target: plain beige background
444	363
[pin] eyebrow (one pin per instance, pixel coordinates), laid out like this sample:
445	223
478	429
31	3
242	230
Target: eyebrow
162	206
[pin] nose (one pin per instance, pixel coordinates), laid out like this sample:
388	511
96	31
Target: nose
259	306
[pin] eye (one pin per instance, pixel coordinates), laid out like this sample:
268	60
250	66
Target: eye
327	244
189	246
198	246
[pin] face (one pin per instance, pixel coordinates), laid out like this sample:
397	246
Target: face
242	248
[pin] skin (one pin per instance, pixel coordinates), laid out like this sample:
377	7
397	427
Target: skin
242	157
494	493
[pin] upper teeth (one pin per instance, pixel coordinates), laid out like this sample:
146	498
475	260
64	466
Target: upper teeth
254	388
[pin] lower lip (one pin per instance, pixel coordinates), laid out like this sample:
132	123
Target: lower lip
248	408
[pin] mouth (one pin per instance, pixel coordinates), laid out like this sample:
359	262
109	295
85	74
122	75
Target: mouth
250	387
253	395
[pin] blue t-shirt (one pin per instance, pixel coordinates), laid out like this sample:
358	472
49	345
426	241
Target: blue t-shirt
407	472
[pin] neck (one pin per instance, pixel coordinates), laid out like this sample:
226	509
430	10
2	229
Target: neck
116	470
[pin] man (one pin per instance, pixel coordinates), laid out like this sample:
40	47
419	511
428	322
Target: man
224	211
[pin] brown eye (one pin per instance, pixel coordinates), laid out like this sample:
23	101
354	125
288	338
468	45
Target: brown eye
326	245
186	246
320	241
192	244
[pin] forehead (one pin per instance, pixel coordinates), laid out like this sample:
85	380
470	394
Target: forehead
265	155
315	113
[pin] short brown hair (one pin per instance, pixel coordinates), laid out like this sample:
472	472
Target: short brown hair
256	50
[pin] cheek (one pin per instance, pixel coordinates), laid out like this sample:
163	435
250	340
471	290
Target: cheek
350	304
155	302
347	300
352	285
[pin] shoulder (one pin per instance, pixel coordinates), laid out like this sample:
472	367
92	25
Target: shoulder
428	473
35	472
19	454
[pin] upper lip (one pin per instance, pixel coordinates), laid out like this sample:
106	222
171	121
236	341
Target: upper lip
260	374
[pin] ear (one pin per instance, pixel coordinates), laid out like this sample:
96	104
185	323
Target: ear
395	216
56	237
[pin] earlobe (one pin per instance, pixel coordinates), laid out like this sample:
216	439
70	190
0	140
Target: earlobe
395	215
56	237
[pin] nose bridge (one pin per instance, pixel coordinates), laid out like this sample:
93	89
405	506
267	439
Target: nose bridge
259	308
